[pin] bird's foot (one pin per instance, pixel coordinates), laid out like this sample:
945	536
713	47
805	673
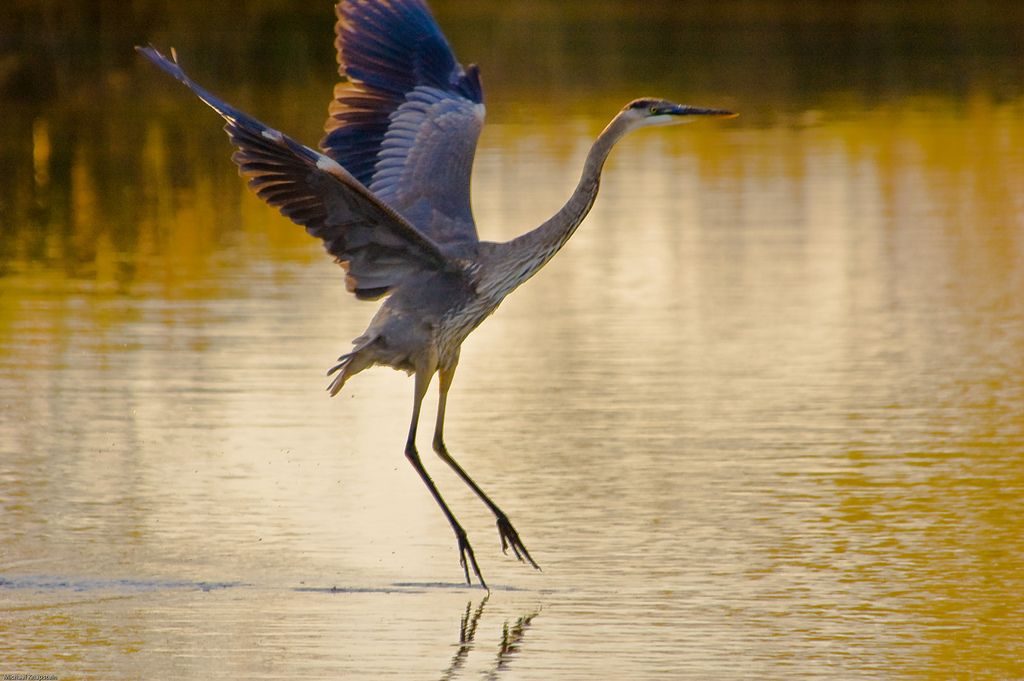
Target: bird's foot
510	539
466	552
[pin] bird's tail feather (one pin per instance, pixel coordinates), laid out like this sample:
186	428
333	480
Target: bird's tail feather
348	365
340	368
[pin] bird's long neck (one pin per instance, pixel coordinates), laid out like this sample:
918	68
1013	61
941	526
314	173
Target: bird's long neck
522	257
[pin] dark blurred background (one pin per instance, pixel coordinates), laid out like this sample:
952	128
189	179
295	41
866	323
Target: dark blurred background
767	50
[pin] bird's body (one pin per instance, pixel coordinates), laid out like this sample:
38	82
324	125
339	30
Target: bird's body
422	322
389	197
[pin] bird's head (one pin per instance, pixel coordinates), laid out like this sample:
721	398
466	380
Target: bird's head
644	112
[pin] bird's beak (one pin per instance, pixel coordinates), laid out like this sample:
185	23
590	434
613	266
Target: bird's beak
684	110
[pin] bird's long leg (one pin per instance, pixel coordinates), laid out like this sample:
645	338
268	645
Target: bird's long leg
509	536
465	550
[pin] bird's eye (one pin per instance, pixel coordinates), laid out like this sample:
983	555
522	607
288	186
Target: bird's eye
653	110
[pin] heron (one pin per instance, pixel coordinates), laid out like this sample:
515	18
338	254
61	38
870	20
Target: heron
388	194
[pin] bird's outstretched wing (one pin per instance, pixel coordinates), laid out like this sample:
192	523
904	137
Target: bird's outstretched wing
376	246
406	117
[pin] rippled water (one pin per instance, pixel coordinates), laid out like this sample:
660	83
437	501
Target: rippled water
762	418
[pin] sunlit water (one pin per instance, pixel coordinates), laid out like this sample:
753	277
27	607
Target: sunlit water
762	418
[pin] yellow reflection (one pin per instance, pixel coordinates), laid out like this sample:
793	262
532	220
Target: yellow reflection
41	152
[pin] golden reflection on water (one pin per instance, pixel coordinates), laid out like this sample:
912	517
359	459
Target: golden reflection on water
762	418
790	358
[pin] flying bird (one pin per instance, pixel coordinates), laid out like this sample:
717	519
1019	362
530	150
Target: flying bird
388	195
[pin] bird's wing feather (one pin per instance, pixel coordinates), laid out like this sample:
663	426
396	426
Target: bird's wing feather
377	247
406	117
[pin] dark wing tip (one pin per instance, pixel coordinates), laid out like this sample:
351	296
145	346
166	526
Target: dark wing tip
169	66
470	85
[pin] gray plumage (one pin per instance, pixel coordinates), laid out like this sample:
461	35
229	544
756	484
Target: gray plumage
389	198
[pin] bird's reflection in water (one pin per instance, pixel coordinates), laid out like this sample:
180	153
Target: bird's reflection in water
508	647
